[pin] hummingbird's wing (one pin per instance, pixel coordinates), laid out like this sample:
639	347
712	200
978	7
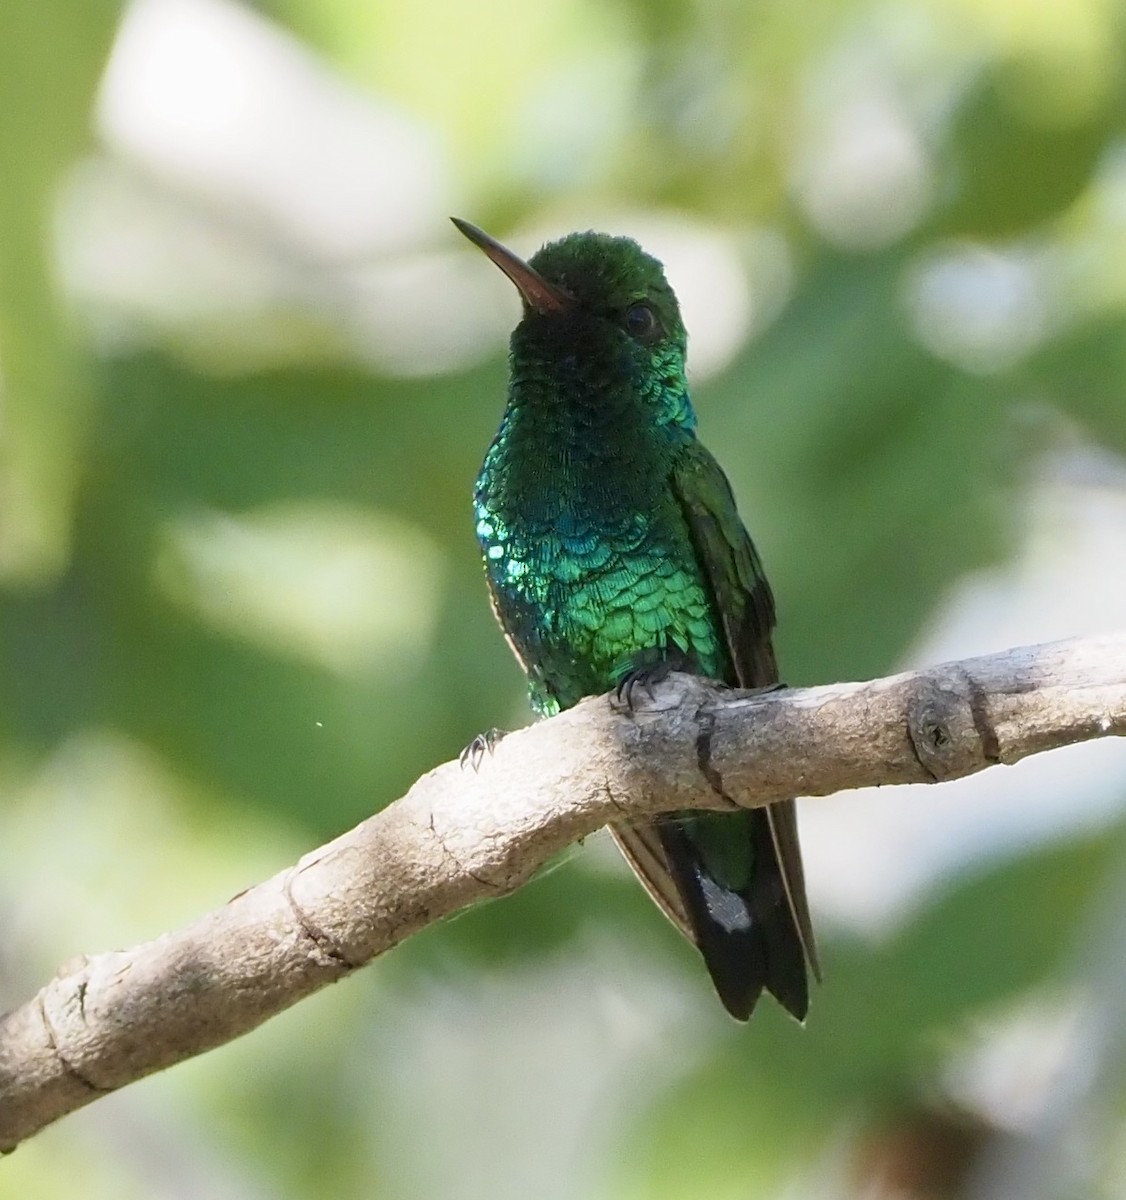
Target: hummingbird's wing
746	609
640	844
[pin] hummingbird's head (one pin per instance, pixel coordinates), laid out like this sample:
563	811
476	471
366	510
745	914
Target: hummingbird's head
593	298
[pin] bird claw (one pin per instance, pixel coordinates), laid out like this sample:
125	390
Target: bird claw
482	744
646	677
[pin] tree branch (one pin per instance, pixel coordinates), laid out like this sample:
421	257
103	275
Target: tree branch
460	836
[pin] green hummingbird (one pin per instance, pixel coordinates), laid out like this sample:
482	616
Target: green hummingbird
614	552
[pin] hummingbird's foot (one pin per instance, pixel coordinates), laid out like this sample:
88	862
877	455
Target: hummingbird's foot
647	671
482	744
646	677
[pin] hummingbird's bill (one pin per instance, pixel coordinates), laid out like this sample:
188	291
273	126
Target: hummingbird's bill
538	294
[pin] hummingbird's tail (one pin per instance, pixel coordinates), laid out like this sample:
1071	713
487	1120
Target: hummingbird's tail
747	935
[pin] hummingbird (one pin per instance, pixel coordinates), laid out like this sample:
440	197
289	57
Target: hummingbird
614	553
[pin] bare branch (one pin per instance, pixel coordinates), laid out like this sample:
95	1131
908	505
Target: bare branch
459	836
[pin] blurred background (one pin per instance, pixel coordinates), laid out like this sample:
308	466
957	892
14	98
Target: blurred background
247	373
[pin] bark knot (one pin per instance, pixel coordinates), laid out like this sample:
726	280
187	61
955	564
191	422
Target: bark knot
948	725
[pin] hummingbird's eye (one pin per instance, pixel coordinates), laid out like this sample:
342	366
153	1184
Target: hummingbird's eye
641	323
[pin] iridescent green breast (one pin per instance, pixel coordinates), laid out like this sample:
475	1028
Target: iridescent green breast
587	577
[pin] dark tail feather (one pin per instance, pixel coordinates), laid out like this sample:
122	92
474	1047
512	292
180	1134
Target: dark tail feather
747	938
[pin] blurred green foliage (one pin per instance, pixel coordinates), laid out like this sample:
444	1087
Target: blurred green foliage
178	717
